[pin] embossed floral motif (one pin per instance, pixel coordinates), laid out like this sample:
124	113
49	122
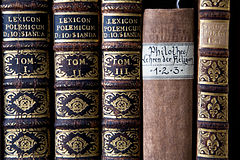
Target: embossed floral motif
121	143
213	107
24	102
213	144
214	72
25	143
77	105
77	144
121	103
215	3
87	103
31	143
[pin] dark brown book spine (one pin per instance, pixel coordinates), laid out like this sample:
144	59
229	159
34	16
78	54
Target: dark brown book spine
168	71
25	44
77	79
121	82
213	53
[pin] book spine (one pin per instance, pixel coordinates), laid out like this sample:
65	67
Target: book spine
77	79
168	72
213	53
121	79
25	44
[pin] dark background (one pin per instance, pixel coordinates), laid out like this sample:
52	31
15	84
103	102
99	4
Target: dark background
234	70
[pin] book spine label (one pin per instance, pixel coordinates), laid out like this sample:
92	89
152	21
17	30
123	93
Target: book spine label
172	60
121	82
76	27
25	64
121	65
214	33
25	26
212	133
122	27
75	66
77	79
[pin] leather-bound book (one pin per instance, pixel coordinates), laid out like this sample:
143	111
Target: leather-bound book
77	79
121	79
168	68
213	53
25	44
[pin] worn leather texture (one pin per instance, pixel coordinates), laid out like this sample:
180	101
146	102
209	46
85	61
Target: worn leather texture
121	80
213	82
25	48
167	103
77	79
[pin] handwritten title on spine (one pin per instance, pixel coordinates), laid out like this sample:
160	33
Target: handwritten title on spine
173	60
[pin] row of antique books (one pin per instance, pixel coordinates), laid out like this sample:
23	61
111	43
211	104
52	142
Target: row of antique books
115	80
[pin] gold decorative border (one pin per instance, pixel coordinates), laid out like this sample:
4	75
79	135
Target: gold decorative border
15	52
24	50
213	71
94	132
25	39
79	78
120	90
38	153
215	5
114	139
121	1
213	105
75	52
75	40
64	1
76	13
26	89
212	143
129	101
123	53
24	12
78	92
36	114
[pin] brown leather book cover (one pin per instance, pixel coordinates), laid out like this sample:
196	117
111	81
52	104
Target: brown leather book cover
77	79
213	53
168	63
25	46
121	79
